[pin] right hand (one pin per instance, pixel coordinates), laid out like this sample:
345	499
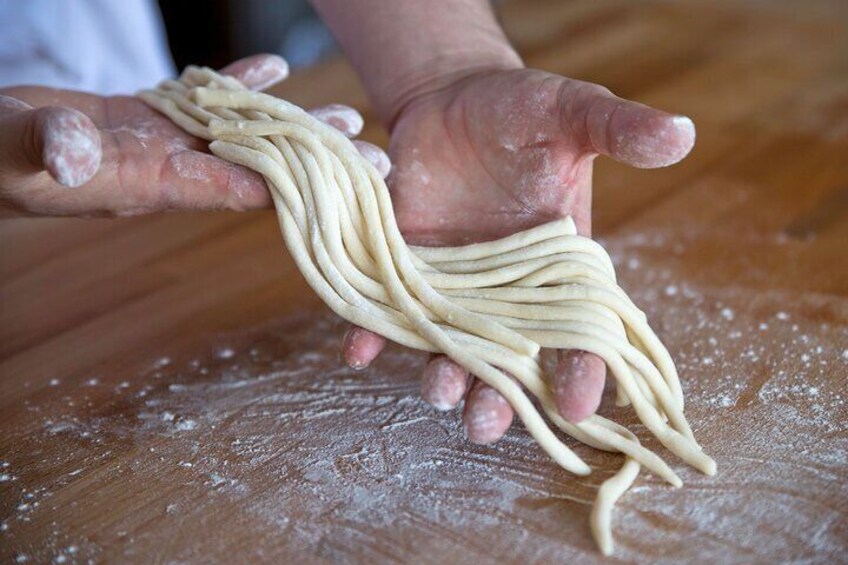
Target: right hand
489	153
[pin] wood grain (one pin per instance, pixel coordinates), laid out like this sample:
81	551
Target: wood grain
170	389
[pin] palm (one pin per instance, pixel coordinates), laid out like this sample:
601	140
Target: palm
159	165
487	157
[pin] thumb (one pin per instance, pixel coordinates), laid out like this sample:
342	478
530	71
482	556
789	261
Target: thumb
59	140
627	131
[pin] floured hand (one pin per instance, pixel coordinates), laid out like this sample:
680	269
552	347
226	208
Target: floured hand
73	153
492	153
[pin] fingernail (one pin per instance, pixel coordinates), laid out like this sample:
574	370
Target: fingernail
442	384
349	351
361	347
484	416
375	156
352	356
683	123
9	103
343	118
576	385
269	71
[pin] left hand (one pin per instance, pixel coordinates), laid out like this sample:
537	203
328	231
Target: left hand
76	153
495	152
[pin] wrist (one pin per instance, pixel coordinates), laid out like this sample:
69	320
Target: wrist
405	50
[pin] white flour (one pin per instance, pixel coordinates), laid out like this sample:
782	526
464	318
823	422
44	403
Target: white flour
314	459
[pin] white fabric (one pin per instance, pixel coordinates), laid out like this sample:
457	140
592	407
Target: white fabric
102	46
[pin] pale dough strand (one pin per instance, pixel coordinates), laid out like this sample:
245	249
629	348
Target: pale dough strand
488	306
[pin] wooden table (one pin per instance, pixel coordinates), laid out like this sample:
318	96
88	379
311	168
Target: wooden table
171	391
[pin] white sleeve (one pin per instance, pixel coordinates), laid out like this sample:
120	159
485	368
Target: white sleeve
102	46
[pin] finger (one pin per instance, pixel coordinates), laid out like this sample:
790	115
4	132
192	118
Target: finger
487	414
195	180
343	118
629	132
375	156
443	383
59	140
578	384
258	72
360	347
10	105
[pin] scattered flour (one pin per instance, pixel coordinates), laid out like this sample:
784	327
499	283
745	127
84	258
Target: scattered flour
271	434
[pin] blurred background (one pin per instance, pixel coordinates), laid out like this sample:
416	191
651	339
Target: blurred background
224	30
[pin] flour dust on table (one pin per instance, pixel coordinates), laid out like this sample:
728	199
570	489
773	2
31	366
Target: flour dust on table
265	431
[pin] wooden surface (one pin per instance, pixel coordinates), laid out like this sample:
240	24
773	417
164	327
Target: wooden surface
170	391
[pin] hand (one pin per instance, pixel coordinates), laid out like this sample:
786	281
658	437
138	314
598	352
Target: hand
496	152
73	153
